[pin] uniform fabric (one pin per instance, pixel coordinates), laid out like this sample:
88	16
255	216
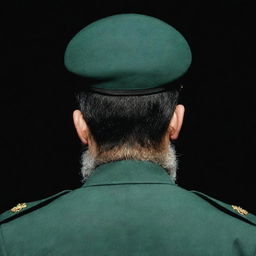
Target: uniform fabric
128	208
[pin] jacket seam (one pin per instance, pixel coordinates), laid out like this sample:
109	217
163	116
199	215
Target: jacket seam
3	242
127	183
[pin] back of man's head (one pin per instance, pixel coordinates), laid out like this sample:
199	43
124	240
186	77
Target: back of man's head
131	121
131	66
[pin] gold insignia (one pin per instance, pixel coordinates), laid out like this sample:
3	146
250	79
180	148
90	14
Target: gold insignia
240	210
18	207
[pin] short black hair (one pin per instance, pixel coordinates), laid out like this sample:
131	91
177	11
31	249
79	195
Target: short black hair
117	120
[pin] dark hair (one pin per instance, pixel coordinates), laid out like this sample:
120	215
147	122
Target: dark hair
116	120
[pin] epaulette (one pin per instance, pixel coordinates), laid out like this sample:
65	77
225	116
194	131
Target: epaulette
23	208
234	210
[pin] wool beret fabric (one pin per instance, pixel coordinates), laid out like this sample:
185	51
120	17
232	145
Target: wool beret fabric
128	52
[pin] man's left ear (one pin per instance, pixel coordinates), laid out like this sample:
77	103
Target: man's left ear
81	127
176	122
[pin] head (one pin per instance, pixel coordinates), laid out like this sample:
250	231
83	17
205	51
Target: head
128	127
127	62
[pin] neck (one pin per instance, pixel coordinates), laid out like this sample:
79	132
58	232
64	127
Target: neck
164	157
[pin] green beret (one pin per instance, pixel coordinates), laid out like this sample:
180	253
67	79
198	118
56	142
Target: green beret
128	54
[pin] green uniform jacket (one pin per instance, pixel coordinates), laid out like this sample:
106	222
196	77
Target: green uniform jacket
128	208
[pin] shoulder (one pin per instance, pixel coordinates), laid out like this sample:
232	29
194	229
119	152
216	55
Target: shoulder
232	210
25	208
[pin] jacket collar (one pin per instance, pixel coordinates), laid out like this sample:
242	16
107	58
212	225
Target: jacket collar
128	172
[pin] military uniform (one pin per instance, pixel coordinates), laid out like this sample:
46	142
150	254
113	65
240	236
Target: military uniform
128	208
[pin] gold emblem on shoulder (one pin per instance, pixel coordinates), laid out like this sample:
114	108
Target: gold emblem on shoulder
18	207
240	210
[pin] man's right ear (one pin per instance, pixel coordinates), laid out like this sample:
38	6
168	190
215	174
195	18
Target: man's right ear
81	126
176	122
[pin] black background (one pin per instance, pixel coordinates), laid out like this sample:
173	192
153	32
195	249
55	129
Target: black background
39	148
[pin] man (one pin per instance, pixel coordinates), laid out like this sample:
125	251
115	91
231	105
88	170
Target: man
131	67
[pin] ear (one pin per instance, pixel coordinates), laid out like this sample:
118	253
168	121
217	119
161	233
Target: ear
176	122
81	126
